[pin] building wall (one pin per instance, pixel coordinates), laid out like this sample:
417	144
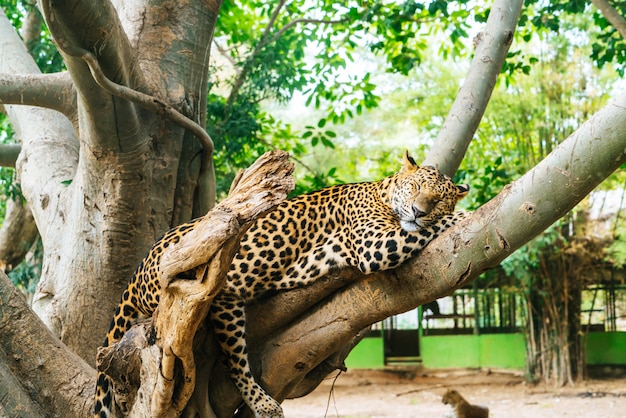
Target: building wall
606	348
506	351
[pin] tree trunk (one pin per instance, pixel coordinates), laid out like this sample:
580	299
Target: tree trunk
40	376
294	354
102	189
17	234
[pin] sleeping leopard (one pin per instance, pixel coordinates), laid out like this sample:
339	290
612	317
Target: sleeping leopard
372	226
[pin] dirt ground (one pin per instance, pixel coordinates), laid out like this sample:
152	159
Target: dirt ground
415	393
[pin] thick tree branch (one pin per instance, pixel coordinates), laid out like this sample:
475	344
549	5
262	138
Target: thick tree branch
47	136
469	106
78	26
52	91
519	213
612	15
312	328
17	234
55	379
31	26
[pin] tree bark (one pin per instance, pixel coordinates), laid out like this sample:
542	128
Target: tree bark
491	48
33	362
320	321
612	15
17	234
103	188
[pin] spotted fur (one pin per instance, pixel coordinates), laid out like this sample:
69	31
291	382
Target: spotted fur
372	226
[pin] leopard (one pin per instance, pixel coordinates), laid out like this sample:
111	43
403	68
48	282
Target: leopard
462	408
370	226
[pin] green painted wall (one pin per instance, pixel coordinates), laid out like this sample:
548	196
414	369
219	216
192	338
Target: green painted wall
368	354
505	351
450	351
604	348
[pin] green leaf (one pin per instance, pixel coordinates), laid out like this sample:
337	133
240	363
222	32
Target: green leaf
327	143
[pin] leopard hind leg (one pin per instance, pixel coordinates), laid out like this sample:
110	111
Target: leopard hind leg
228	318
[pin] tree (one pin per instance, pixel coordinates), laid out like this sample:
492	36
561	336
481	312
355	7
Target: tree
113	166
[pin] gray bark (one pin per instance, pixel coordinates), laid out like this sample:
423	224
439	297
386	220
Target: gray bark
73	165
17	234
612	15
34	363
492	46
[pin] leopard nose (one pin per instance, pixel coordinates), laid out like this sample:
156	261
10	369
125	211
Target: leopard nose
418	212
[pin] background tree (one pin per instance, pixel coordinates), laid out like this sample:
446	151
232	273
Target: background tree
115	171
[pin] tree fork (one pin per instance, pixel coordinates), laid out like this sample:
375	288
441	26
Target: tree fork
491	47
519	213
191	273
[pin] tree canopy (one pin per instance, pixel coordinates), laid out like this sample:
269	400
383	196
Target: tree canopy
137	116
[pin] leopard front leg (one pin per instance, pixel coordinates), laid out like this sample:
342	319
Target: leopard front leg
228	318
387	248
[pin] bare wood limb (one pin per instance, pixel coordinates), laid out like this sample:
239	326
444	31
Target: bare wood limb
469	106
612	15
17	234
257	189
55	378
31	26
53	91
204	255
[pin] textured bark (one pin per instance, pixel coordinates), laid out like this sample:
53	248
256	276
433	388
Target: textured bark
107	178
39	375
17	234
491	47
191	273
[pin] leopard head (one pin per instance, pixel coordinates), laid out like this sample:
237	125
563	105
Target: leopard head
421	195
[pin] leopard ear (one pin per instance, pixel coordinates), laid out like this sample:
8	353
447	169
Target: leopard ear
408	163
461	191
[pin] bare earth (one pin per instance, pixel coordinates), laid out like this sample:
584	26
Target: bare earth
415	393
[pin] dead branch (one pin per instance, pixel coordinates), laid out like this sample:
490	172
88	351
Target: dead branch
204	256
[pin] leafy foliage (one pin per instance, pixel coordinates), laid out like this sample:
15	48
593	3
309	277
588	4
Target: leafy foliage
273	51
